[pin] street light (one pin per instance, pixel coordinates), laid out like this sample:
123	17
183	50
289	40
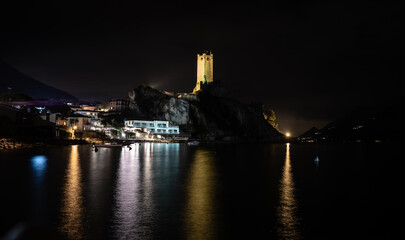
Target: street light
73	133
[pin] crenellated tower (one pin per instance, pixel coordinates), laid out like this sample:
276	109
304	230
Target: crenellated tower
205	70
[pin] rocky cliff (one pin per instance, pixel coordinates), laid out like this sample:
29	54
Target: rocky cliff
211	117
149	103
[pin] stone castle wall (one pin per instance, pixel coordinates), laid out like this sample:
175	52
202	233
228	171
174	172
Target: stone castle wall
205	69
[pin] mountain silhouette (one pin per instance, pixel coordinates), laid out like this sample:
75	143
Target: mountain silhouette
14	81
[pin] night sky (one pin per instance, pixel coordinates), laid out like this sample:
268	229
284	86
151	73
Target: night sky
310	62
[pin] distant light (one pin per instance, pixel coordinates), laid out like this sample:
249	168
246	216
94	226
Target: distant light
288	134
75	127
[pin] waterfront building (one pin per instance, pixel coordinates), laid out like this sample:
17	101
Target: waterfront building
155	127
79	123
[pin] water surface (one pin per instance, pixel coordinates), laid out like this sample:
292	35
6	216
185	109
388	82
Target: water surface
174	191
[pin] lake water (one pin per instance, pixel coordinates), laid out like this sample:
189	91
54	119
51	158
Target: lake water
229	191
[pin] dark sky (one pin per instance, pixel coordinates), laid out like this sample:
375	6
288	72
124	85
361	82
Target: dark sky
310	62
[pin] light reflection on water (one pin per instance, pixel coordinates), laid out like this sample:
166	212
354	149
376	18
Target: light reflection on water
192	193
72	202
288	221
133	212
199	212
38	165
126	214
147	181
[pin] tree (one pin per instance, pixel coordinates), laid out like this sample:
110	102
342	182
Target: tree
114	132
117	123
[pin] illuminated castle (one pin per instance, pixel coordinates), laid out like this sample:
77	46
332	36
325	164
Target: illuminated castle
205	70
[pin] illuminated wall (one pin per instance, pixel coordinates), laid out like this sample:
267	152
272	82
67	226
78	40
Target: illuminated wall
205	70
159	127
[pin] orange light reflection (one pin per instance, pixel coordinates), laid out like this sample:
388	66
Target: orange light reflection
72	203
200	189
287	208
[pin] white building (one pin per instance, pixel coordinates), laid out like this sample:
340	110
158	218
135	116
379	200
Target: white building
157	127
89	113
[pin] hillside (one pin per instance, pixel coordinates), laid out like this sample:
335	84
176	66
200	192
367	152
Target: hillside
365	124
210	117
21	83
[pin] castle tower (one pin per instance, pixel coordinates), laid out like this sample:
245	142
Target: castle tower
205	70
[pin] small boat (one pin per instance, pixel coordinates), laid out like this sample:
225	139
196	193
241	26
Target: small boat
193	143
109	145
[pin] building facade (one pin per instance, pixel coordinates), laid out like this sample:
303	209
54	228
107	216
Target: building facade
89	113
205	70
156	127
118	104
79	123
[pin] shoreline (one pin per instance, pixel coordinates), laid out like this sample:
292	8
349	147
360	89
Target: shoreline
8	143
13	144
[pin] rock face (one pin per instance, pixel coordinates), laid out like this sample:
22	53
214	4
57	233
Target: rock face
210	117
132	103
153	104
177	111
219	118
